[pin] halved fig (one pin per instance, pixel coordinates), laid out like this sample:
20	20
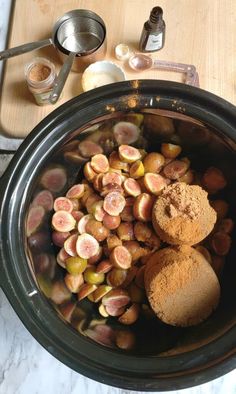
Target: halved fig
34	219
213	180
111	177
97	230
99	163
54	179
143	205
111	222
116	298
76	191
76	265
74	282
89	148
114	203
63	204
132	187
116	163
91	200
60	293
61	257
97	182
116	277
188	177
63	221
175	170
127	214
226	226
126	132
114	311
128	154
85	290
137	170
93	277
100	292
98	211
120	257
221	243
97	257
87	246
77	215
154	183
153	162
130	315
58	238
125	231
142	231
70	245
83	222
104	266
111	187
113	241
170	151
89	173
125	339
43	199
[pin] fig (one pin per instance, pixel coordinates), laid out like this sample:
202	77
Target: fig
104	266
54	179
73	282
153	162
114	203
111	222
85	290
70	245
213	180
128	154
142	231
111	177
63	204
76	191
175	169
92	277
44	199
113	241
63	221
170	151
99	163
97	230
132	187
89	148
130	315
154	183
98	211
89	173
83	222
120	257
142	208
35	219
126	132
116	163
125	231
75	265
137	170
86	246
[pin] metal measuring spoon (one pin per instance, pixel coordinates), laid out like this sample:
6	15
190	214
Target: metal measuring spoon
140	62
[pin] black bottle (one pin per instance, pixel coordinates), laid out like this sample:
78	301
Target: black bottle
153	34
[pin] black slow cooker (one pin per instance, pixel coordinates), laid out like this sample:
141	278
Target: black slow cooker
165	357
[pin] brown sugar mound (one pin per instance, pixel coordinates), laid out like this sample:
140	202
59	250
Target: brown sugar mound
181	286
182	215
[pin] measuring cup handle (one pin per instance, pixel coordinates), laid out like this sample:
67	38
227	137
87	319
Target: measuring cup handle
24	48
61	79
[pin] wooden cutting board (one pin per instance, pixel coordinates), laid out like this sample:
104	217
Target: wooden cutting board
199	32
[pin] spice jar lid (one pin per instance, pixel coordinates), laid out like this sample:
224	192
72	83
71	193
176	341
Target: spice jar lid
122	52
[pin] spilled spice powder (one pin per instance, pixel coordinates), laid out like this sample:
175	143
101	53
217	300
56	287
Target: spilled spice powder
183	215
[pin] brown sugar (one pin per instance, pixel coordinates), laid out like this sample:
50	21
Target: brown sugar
182	215
181	286
39	72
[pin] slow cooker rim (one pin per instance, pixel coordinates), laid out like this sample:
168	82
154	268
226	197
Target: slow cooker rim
54	118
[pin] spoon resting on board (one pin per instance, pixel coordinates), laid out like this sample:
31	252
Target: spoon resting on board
140	62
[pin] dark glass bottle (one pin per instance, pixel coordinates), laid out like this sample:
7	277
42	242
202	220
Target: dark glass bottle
153	34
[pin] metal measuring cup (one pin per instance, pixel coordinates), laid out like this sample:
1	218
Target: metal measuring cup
78	40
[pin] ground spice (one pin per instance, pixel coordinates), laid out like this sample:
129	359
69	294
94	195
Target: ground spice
39	72
183	215
181	286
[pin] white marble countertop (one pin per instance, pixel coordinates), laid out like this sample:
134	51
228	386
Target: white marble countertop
25	366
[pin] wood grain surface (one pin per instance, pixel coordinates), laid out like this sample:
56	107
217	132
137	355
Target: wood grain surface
199	32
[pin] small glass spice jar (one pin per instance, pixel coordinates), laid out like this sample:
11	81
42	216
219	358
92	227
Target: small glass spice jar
40	75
